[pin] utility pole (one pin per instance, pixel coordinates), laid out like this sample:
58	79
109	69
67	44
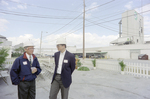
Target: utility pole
83	29
41	43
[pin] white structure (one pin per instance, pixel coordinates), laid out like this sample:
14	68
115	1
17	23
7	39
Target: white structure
126	51
132	29
130	43
6	44
18	45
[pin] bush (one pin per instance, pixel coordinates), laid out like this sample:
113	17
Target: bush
78	63
3	55
84	69
18	52
121	63
94	62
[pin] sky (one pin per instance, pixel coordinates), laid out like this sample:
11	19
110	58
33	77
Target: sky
22	20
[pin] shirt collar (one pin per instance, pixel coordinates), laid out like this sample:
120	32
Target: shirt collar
25	56
63	52
28	56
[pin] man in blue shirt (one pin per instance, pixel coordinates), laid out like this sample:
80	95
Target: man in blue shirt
24	72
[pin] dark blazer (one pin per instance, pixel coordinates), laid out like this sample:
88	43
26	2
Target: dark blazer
21	69
67	68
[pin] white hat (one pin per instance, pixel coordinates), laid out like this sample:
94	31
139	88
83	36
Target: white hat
28	43
61	41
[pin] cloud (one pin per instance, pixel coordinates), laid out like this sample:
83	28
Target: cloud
11	8
3	23
93	6
129	5
146	17
89	13
146	24
24	38
144	9
4	3
22	6
91	40
18	6
16	0
146	37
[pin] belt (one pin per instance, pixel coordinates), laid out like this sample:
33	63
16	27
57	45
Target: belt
58	74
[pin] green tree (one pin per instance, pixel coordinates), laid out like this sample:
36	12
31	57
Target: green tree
3	55
18	52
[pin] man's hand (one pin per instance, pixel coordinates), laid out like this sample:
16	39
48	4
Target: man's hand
34	70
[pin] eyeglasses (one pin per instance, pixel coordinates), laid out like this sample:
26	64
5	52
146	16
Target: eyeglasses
58	45
31	48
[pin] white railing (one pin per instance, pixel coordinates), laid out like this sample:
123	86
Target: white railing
132	68
138	69
9	61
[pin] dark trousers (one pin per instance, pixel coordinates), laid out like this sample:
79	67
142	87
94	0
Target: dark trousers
56	86
26	90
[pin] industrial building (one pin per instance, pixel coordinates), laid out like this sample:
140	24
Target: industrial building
129	44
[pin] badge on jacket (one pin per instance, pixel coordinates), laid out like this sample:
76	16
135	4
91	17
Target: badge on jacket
25	63
65	61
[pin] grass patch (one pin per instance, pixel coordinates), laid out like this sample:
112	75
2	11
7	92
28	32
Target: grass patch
84	69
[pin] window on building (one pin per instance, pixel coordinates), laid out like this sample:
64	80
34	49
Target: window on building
140	23
137	40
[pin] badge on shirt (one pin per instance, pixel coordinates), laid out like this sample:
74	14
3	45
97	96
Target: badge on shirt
65	61
25	63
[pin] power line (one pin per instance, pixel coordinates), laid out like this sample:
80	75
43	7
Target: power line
65	24
101	26
120	18
69	30
40	6
106	27
38	22
131	33
67	34
110	7
36	16
99	6
119	12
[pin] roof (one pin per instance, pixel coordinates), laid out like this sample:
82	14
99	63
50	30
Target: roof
2	36
103	52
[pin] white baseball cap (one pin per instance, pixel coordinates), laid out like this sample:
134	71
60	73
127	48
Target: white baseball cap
61	41
28	43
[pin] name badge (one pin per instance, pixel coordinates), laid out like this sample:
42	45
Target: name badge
65	61
25	63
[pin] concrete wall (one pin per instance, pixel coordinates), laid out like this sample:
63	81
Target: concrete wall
115	54
126	51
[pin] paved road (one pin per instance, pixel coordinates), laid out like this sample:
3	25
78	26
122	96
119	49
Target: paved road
93	84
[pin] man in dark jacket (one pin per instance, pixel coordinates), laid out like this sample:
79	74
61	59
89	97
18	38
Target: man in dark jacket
64	67
24	72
